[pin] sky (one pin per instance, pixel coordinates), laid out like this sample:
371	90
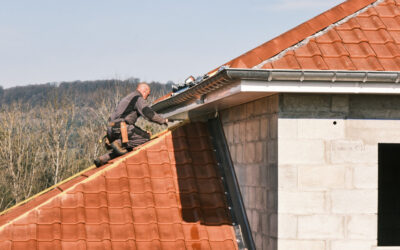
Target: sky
53	41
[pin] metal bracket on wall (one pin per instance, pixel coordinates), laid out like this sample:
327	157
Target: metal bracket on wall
232	190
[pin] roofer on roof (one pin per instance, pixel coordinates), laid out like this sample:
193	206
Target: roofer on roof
122	134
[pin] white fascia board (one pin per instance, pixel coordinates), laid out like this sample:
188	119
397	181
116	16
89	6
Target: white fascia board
213	100
212	97
320	87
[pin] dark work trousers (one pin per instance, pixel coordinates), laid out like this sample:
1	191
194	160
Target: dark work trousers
136	137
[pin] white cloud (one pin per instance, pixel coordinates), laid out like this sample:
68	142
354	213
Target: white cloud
304	4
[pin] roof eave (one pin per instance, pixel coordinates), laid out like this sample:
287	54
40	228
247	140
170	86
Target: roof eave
268	81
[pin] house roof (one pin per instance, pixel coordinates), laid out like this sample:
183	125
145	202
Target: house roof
355	35
350	43
168	194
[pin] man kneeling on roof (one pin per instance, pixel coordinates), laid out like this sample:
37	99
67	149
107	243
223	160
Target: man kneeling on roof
122	134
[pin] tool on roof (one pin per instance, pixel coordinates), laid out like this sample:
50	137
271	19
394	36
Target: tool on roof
188	83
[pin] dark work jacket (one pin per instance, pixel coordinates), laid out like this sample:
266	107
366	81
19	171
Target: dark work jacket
131	107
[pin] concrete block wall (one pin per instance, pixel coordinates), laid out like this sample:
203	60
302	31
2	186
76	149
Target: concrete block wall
251	132
328	168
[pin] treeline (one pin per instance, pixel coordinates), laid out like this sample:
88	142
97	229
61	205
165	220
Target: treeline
81	93
49	132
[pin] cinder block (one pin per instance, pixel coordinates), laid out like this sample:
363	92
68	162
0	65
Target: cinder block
255	222
301	245
354	201
287	226
320	227
260	106
242	131
264	223
260	149
273	104
301	202
321	177
272	152
306	102
261	196
365	177
273	224
272	201
367	124
264	175
228	130
273	125
249	152
252	196
305	151
287	128
362	227
239	153
372	135
353	151
287	177
236	132
241	174
249	109
241	111
340	103
352	245
258	240
266	244
325	129
264	128
253	173
273	243
245	194
232	151
272	177
252	130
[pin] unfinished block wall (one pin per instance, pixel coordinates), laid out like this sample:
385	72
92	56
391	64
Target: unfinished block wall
251	132
328	168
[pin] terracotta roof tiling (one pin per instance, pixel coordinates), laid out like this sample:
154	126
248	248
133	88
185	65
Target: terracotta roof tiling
338	39
166	195
355	35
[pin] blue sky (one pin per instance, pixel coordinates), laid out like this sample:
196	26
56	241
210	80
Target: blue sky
51	41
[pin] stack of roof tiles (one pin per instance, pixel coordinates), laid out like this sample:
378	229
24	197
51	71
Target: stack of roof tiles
369	40
166	195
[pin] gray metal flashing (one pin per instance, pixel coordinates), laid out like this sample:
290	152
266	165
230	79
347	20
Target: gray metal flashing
229	180
314	77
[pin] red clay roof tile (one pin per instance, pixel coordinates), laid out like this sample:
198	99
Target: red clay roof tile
328	41
363	42
160	196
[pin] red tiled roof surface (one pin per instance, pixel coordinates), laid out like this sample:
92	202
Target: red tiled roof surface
367	41
364	41
166	195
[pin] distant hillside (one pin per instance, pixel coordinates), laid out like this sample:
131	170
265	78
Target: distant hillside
81	93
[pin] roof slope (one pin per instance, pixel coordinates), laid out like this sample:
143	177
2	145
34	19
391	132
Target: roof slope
167	195
355	35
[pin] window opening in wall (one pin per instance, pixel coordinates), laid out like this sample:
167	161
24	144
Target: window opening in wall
389	194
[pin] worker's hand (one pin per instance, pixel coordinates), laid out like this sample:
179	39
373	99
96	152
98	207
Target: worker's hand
149	132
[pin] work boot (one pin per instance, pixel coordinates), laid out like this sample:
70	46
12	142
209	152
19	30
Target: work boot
100	161
117	148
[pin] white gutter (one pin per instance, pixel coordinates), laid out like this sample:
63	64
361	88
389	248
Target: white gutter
230	82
